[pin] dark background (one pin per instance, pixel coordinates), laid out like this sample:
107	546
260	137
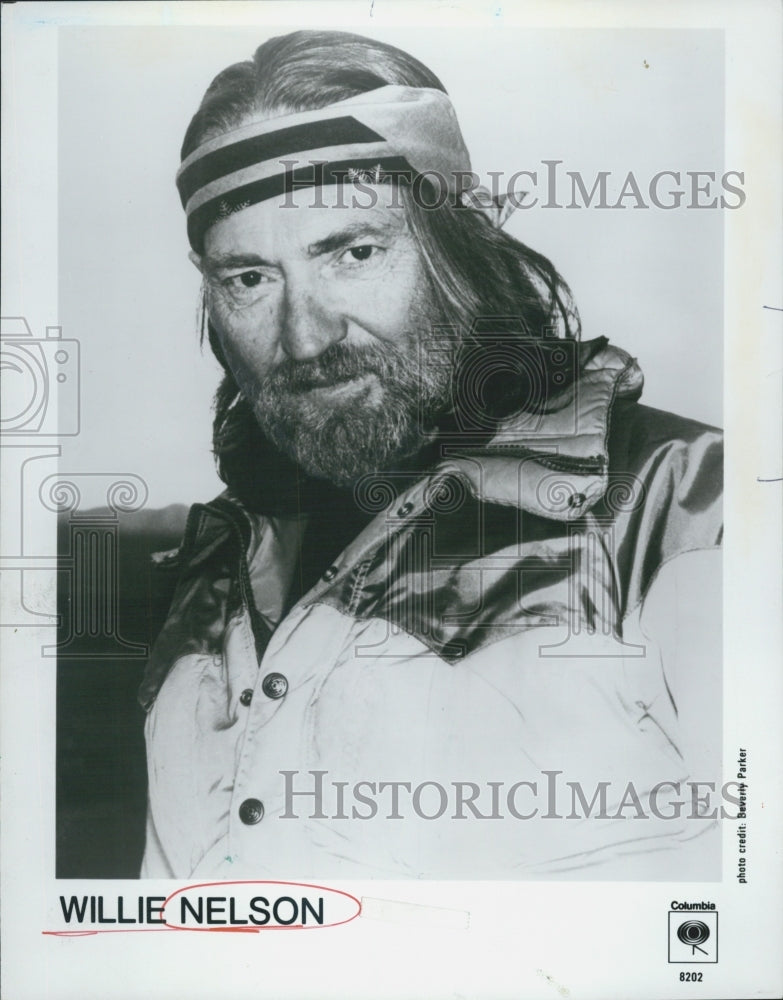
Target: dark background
111	603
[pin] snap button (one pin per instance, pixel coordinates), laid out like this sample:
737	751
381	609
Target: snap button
576	499
405	509
251	812
274	686
330	574
246	697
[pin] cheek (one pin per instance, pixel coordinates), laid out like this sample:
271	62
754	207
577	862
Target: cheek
248	338
391	305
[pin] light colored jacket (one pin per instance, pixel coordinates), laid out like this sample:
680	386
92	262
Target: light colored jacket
512	672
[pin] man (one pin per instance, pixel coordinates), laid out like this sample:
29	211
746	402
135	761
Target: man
455	614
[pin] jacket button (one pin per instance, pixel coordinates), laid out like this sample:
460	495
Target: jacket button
576	499
251	812
330	574
405	509
274	686
246	697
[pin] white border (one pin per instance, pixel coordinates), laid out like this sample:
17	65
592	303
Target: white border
526	939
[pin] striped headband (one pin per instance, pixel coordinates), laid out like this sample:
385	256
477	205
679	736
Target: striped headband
392	133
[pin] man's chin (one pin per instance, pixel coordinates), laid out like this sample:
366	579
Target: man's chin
347	445
345	430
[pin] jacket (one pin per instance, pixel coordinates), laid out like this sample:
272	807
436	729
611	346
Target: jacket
512	672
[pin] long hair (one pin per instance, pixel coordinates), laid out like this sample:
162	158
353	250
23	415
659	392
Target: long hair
487	285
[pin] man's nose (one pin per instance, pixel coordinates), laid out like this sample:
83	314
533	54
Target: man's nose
309	325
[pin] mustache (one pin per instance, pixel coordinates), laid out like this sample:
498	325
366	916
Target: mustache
338	363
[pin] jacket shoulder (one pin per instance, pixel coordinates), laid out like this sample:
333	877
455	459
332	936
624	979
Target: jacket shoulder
637	431
673	467
667	453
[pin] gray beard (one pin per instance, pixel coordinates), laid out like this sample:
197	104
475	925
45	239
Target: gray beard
343	440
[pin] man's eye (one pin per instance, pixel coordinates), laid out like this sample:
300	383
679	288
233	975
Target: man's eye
245	287
239	284
362	252
250	278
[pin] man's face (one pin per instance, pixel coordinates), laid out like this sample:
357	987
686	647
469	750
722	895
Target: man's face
321	312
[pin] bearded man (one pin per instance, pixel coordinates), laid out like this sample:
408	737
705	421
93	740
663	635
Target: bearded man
454	615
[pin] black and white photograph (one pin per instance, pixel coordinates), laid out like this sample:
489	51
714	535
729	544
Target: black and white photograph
366	525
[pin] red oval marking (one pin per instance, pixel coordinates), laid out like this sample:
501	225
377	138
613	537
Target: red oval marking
248	927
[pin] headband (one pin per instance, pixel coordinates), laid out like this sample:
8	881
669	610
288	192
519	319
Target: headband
392	133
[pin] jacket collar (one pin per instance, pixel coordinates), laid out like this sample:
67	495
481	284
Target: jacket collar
554	464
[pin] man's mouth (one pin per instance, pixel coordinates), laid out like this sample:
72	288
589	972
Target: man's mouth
344	387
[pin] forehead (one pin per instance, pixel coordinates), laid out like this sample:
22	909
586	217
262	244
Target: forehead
294	222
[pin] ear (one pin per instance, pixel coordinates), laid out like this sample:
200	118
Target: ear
196	258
